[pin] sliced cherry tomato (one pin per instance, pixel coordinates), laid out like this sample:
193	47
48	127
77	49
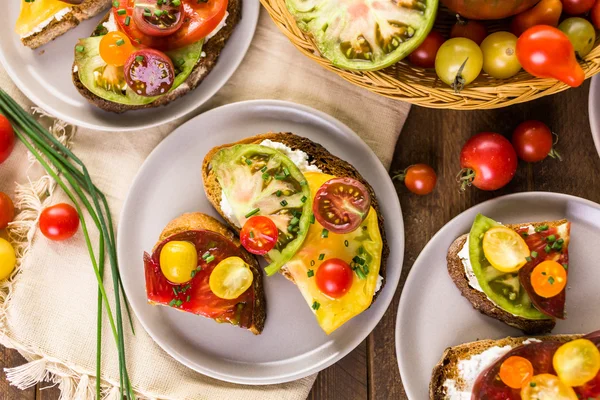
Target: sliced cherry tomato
515	371
8	259
488	160
546	386
230	278
154	19
424	55
7	138
533	141
419	179
595	15
259	235
59	222
199	19
7	210
546	12
149	72
577	7
548	278
470	29
115	48
178	260
334	277
341	204
505	249
577	362
546	52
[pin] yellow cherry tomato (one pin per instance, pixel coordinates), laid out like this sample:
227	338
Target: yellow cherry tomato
577	362
458	62
8	259
547	387
515	371
230	278
548	278
178	260
500	55
505	249
115	48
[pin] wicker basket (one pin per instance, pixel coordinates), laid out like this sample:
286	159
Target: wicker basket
420	86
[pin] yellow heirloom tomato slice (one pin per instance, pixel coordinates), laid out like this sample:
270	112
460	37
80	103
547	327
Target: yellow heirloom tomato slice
547	387
231	278
577	362
505	249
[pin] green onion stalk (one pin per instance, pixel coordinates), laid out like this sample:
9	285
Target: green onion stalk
60	162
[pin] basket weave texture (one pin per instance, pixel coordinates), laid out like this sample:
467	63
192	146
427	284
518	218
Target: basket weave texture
402	81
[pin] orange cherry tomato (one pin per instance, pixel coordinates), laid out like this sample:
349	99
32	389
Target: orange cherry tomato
549	278
115	48
546	52
546	12
515	371
419	179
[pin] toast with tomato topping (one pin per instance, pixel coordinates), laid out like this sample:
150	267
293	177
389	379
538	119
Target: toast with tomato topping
463	278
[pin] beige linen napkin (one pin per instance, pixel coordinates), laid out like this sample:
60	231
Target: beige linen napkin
48	309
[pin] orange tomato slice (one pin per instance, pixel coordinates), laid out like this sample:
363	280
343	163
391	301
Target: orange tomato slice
115	48
515	371
505	249
548	279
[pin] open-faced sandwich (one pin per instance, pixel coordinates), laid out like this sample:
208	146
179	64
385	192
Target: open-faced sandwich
147	53
41	21
310	214
198	266
514	273
561	367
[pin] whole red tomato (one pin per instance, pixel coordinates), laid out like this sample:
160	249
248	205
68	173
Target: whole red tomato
424	55
546	12
7	138
595	14
488	161
533	141
419	179
474	30
577	7
59	222
7	210
546	52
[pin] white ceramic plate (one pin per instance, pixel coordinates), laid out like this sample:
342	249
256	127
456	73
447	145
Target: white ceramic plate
433	315
169	183
594	110
46	78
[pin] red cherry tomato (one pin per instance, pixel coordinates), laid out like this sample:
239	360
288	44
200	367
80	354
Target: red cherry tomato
533	141
149	72
419	179
7	138
7	210
259	235
59	222
577	7
488	160
341	204
424	55
474	30
546	52
595	14
153	19
334	277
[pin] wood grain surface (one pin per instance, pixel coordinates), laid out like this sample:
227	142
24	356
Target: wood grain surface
436	137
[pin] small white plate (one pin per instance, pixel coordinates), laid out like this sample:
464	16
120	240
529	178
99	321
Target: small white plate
44	74
169	183
594	110
433	315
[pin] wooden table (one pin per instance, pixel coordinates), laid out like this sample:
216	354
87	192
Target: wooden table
436	137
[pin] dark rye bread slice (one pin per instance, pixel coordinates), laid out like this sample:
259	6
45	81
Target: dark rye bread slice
480	301
199	221
212	49
318	156
87	9
447	368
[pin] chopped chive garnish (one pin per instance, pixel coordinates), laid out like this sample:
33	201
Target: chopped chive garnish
528	259
324	233
253	212
551	238
172	303
278	193
176	3
180	62
533	384
263	169
121	11
265	176
187	298
310	273
248	161
534	254
194	272
147	10
560	241
206	255
294	221
116	4
551	280
139	58
286	171
366	269
303	199
525	234
283	203
252	234
120	42
303	183
210	259
547	249
541	228
279	177
147	14
358	260
565	266
544	273
346	243
312	218
321	257
158	13
316	305
79	48
174	290
127	21
360	273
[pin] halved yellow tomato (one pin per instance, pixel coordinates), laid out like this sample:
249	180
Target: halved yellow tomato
505	249
577	362
177	261
231	278
547	387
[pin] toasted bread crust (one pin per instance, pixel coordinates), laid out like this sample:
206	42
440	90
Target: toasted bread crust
212	49
196	221
318	156
447	368
481	302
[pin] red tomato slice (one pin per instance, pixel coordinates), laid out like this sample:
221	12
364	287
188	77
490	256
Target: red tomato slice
341	204
259	235
200	19
334	277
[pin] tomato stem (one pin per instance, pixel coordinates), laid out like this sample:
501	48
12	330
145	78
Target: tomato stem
459	80
465	178
553	152
401	175
460	20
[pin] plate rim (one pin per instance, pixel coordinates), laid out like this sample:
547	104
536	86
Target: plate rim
594	98
412	276
391	285
172	117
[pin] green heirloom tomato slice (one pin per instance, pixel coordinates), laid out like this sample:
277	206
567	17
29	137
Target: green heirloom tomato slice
503	288
259	180
365	34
